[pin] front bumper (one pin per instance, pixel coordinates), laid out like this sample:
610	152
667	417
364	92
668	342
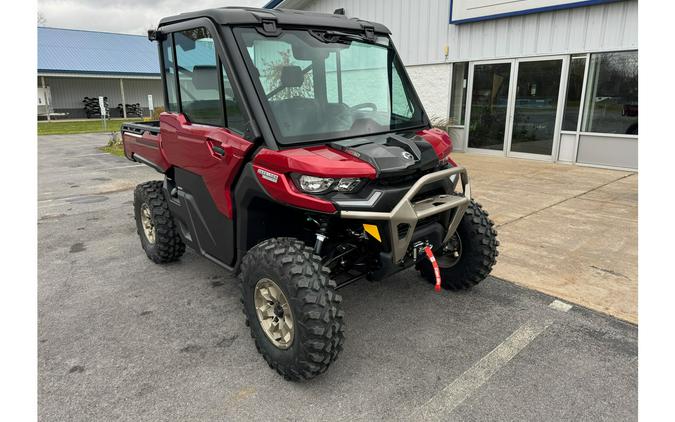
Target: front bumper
403	218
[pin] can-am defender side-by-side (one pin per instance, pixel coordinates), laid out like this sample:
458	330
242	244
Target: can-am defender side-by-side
296	153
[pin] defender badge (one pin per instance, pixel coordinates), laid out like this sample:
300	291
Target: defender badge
268	175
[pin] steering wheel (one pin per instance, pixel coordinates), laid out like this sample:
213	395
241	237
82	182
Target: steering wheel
364	105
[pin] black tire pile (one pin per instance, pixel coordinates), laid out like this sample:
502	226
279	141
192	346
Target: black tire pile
133	110
92	108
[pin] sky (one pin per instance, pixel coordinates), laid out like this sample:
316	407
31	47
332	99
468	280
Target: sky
123	16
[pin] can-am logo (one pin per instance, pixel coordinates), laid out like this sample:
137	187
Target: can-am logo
268	175
406	155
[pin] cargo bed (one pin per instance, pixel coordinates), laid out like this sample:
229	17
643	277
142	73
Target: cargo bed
141	142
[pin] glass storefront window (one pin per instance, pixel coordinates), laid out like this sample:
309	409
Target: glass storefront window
611	104
575	85
460	73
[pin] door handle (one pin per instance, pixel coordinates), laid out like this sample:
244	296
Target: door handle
218	150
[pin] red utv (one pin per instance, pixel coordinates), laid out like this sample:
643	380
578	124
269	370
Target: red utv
296	153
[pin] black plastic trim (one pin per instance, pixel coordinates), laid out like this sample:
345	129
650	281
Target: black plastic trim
140	128
140	159
203	227
283	18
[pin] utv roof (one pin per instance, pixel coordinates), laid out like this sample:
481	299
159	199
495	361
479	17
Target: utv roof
283	18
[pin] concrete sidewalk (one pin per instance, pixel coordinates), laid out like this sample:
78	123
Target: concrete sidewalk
569	231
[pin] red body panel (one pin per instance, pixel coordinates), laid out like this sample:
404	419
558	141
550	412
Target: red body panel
321	161
190	146
147	146
438	139
284	191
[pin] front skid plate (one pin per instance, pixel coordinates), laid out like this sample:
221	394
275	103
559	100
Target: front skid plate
408	212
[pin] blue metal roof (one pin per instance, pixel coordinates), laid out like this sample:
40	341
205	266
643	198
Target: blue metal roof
74	51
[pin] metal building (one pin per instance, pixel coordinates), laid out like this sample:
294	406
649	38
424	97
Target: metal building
75	64
553	80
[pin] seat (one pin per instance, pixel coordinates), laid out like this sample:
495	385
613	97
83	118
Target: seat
296	116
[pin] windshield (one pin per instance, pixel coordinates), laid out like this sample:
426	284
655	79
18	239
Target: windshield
321	85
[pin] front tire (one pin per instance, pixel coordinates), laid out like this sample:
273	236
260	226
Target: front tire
154	223
473	253
283	284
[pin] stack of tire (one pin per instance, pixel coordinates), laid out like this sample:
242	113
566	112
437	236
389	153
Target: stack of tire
133	110
92	108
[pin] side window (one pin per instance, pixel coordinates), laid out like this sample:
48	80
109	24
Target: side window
169	74
400	104
235	118
198	77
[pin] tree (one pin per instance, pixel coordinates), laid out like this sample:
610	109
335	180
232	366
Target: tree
272	74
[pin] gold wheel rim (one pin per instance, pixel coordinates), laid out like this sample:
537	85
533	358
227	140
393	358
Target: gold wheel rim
146	221
452	252
274	313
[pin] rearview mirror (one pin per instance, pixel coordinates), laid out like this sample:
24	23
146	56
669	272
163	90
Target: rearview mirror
303	51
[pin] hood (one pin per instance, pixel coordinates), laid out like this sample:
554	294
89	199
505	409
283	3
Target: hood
371	157
392	154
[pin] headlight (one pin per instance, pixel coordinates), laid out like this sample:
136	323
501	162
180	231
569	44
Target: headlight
347	184
313	184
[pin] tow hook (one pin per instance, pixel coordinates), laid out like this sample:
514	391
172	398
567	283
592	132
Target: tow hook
418	250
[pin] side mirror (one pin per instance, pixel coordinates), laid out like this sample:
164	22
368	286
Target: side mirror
155	35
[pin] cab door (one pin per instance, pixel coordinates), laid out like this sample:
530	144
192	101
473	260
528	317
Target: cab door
202	139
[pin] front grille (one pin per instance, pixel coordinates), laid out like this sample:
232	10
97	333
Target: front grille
429	220
403	180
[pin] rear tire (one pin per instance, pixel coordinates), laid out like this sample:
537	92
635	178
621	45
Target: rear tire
316	318
155	226
478	252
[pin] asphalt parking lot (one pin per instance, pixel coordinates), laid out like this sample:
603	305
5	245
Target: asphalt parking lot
121	338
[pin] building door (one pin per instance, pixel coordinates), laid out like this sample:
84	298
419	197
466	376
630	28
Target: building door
535	110
514	108
488	96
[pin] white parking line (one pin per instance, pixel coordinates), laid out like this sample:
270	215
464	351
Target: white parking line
559	305
454	394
